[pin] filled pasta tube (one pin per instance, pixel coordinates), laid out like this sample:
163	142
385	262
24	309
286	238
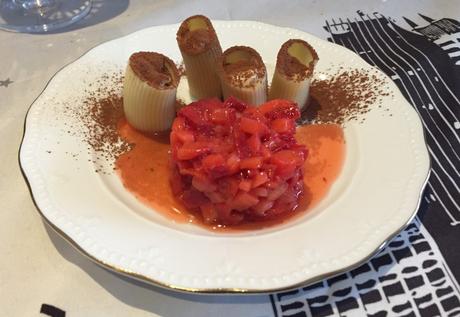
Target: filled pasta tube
293	73
200	49
243	75
149	91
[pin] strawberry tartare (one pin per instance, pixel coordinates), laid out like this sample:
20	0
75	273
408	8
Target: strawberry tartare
232	163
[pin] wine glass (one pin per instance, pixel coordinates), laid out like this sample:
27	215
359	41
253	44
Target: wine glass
38	16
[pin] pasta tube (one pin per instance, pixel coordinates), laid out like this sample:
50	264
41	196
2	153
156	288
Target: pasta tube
243	75
293	73
149	91
200	49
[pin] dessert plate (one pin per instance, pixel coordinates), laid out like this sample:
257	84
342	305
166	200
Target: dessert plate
375	196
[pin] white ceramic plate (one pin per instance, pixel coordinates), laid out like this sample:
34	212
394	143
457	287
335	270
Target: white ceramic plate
375	196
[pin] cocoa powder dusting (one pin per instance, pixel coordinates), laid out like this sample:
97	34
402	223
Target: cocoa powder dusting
344	97
155	69
244	73
101	122
196	42
199	40
290	66
340	98
98	118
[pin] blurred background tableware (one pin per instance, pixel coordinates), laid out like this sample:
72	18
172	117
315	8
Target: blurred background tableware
39	16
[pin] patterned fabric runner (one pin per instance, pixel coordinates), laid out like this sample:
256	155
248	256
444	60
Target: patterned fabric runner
417	274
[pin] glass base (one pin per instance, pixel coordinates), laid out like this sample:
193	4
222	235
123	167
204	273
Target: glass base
39	16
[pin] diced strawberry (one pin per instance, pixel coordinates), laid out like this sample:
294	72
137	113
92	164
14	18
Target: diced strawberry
289	197
191	150
228	187
215	166
243	201
193	198
215	197
189	171
219	116
287	161
174	140
254	143
259	179
252	126
270	106
279	108
234	103
213	161
262	206
252	162
194	115
203	184
209	213
222	147
275	193
227	215
276	143
266	153
272	184
276	210
178	124
176	181
233	163
245	185
283	125
260	191
184	136
254	113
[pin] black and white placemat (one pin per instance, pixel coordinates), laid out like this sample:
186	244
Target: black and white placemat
417	274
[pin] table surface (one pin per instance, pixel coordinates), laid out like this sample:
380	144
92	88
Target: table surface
417	274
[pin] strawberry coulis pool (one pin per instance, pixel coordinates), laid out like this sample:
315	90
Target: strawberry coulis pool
146	171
